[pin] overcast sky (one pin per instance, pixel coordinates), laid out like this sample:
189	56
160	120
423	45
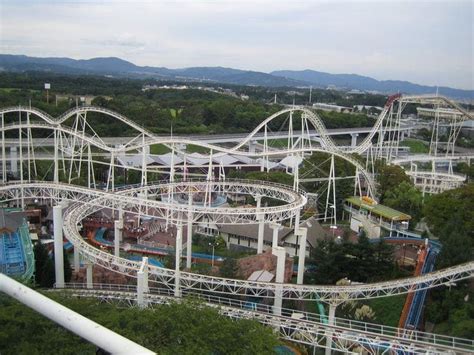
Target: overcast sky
427	42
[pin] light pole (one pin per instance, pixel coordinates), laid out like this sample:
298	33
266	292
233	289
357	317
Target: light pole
404	250
213	249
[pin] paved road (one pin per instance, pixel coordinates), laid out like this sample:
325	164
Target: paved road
219	138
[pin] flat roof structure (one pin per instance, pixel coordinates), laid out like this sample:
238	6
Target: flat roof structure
378	209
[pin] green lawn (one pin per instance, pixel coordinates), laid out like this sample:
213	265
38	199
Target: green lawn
276	143
159	149
191	148
387	309
416	146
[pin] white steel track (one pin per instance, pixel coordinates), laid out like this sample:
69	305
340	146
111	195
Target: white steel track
310	330
88	201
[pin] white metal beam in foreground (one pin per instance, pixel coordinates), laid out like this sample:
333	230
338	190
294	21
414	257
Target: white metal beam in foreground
91	331
58	245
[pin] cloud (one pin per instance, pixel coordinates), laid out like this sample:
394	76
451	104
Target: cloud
430	42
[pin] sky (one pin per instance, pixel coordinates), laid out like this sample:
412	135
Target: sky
426	42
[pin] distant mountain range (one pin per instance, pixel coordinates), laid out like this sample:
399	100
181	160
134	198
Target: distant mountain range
119	67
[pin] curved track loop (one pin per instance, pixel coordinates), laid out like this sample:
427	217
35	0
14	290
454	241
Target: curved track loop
328	145
74	111
130	200
88	201
312	116
173	142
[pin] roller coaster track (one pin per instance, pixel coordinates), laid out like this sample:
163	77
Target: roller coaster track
148	138
73	112
174	142
346	333
87	201
312	116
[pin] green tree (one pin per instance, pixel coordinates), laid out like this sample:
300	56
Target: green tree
67	267
362	262
229	268
406	198
44	266
390	177
450	216
187	327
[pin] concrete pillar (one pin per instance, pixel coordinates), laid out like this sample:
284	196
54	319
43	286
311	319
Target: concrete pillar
297	220
261	225
331	316
276	228
302	232
118	226
354	139
179	233
252	146
58	245
261	229
142	283
280	253
140	291
189	236
77	260
89	275
13	160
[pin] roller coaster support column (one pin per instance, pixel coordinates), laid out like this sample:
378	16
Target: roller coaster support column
302	232
276	228
280	253
179	234
354	139
89	275
58	245
120	216
118	226
189	231
13	161
261	226
297	220
331	316
142	283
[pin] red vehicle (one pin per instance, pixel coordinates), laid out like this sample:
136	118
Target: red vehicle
391	99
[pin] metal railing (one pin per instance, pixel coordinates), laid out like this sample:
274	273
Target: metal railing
354	326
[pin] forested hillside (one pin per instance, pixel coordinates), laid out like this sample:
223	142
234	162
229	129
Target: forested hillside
193	110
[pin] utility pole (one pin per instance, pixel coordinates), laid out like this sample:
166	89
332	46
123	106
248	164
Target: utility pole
47	86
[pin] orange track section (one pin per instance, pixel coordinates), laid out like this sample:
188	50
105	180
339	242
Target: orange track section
406	307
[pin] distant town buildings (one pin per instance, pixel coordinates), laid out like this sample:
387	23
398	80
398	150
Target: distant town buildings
79	99
218	90
331	107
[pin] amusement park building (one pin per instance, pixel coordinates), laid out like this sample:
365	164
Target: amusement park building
374	218
245	236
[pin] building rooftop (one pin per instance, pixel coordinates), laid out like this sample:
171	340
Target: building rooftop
378	209
251	231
